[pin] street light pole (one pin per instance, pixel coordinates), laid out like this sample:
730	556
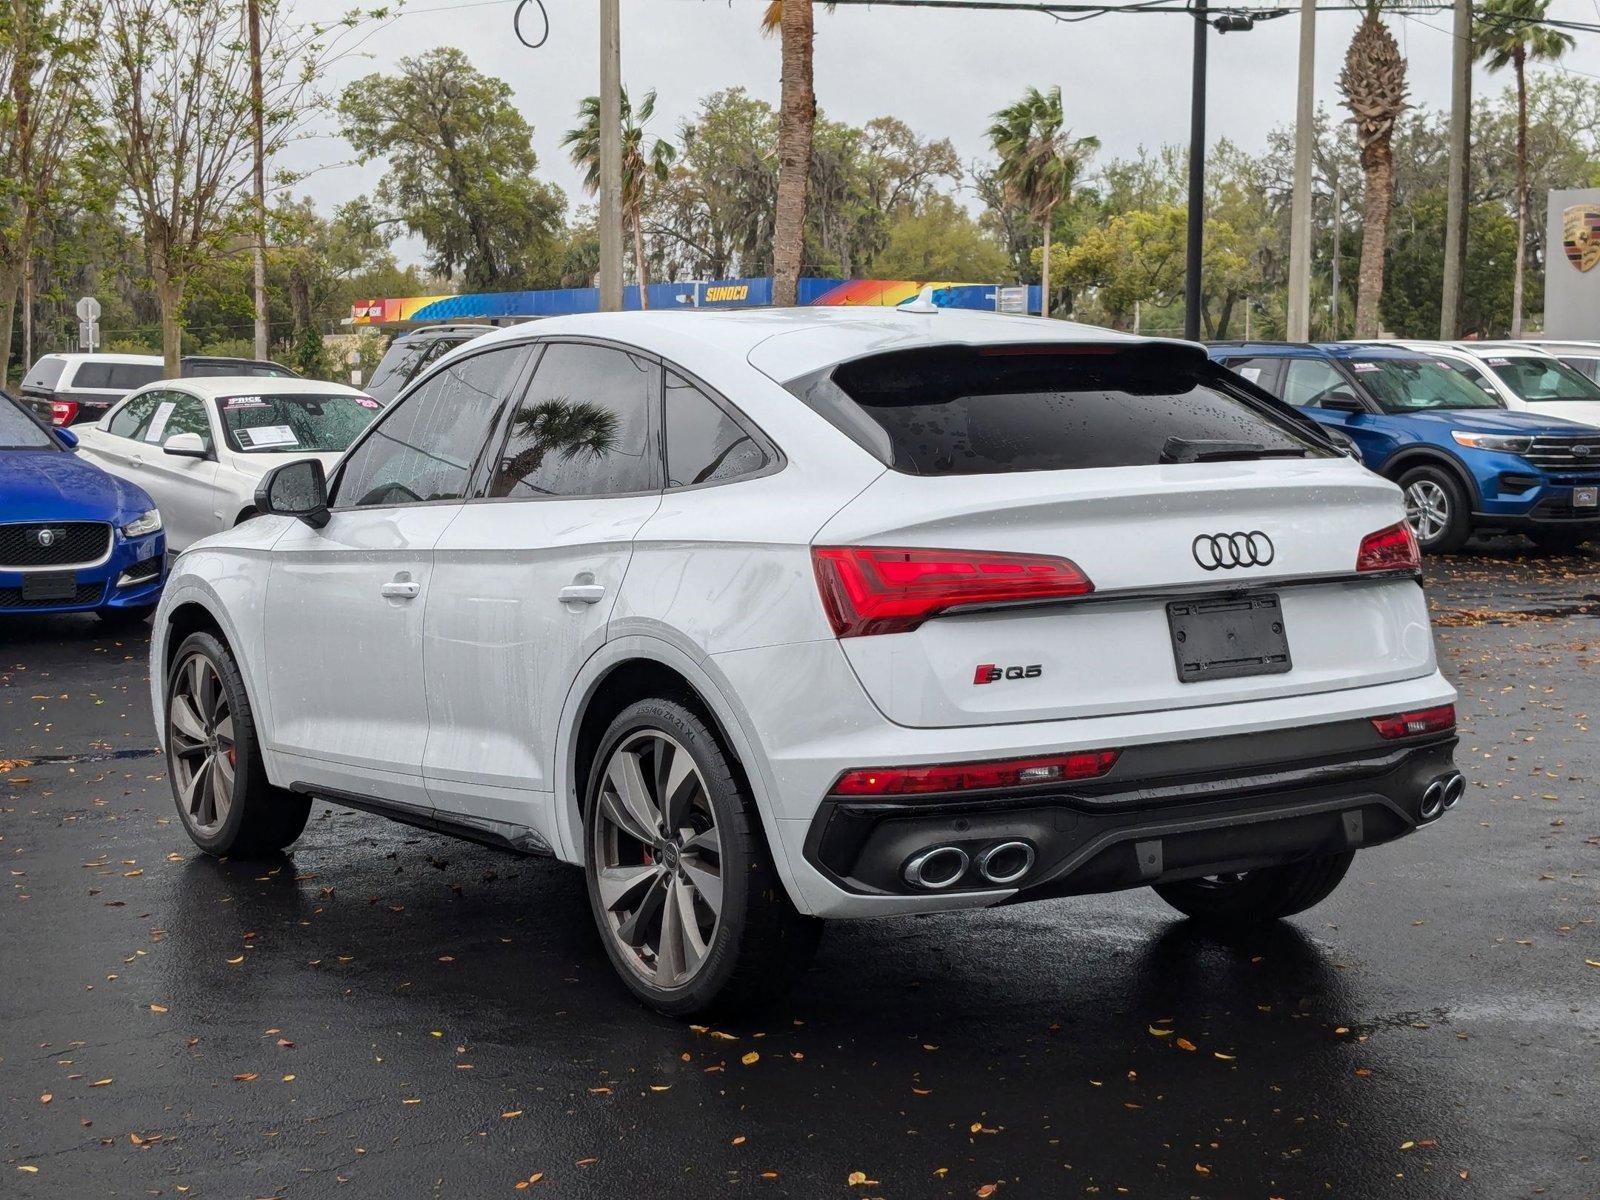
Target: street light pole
1300	203
1455	227
610	156
1197	178
257	120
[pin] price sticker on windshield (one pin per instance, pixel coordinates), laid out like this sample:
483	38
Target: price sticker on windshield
271	435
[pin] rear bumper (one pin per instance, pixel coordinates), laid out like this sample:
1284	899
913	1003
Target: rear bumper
806	720
1166	812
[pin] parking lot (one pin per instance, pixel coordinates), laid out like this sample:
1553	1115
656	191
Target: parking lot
391	1013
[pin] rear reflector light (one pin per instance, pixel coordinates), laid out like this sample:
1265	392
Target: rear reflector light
974	776
1391	549
63	411
1411	724
875	589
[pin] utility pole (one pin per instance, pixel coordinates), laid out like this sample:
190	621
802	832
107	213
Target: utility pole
1197	178
610	156
257	121
1455	229
1300	202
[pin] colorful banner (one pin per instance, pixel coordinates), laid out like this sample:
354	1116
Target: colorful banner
755	292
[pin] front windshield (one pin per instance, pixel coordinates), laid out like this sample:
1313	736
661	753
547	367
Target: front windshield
1402	385
19	431
1541	380
298	424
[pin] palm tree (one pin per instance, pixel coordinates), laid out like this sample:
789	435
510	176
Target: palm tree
1508	33
1374	86
571	428
1039	162
640	164
797	118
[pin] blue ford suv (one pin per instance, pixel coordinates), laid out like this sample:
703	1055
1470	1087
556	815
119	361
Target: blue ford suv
72	537
1464	462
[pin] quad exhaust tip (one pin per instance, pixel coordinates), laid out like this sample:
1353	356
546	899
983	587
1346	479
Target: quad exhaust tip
1005	862
1433	800
937	867
1454	790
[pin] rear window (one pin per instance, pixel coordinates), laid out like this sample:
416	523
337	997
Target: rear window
958	410
113	376
45	373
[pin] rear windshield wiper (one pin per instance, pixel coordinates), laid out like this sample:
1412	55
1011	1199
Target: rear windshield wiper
1190	450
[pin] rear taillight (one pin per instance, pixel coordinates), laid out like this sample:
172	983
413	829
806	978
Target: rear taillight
62	412
876	589
1391	549
1412	724
975	776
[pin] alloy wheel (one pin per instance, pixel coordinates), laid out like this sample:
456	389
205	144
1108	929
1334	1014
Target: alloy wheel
657	858
1427	510
200	741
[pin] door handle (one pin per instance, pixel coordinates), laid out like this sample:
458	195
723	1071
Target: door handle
400	589
582	593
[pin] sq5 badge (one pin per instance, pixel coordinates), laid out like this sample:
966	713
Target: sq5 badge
989	673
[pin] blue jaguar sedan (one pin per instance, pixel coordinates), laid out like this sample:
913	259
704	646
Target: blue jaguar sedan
72	537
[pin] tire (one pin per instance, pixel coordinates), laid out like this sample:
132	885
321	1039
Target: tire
647	883
1557	541
219	784
1437	509
124	618
1257	897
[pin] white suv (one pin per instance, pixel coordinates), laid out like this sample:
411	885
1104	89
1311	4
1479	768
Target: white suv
782	615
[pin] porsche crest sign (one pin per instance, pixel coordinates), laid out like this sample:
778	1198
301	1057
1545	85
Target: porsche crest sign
1580	235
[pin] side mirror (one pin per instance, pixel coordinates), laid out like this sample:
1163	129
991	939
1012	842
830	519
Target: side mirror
297	489
186	445
66	437
1342	402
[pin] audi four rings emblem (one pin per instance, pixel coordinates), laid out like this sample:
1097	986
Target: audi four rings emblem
46	538
1225	551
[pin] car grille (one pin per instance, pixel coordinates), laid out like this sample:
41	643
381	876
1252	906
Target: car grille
87	593
72	543
1566	453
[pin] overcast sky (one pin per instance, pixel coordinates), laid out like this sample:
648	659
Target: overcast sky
1125	78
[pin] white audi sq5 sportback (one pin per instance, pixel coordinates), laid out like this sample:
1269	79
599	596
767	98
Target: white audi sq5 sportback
776	616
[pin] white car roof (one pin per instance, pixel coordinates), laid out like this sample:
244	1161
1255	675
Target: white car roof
785	343
216	387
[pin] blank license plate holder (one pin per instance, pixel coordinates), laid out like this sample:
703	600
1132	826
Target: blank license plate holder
1228	637
50	585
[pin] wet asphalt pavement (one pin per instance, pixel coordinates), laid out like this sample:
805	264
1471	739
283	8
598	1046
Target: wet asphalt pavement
392	1014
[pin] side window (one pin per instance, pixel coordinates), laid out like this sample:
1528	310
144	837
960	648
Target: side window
583	428
135	413
1263	372
1308	380
425	447
178	412
704	443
